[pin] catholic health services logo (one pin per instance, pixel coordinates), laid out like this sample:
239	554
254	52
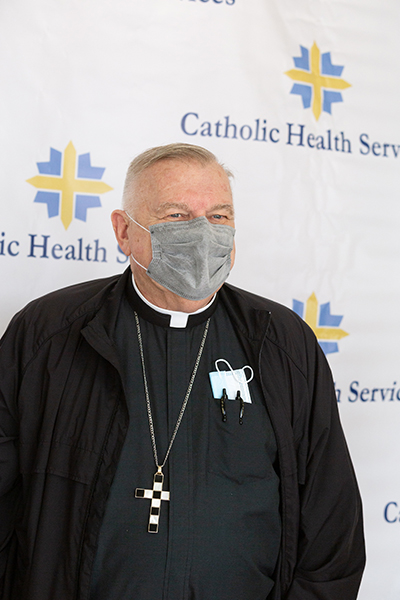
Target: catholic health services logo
69	185
325	325
317	80
319	83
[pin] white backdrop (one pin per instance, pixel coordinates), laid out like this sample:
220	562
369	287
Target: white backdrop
300	100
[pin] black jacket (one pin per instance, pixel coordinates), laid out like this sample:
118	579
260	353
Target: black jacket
63	420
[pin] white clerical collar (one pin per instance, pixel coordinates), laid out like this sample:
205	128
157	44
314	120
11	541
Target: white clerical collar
178	319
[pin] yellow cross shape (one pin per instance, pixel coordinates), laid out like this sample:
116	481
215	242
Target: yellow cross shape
317	80
68	185
322	333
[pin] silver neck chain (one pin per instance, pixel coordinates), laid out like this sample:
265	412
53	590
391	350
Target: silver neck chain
185	401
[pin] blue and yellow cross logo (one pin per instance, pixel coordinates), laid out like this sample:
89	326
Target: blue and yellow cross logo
69	185
322	322
318	79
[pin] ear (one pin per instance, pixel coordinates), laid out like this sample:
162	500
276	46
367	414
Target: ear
120	225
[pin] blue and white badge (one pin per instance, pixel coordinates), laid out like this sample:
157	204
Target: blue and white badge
232	381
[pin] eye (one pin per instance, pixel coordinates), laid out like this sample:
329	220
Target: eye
176	216
218	218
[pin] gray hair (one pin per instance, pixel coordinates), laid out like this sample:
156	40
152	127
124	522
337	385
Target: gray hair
177	151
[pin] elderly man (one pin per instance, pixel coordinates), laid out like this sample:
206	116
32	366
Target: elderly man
166	436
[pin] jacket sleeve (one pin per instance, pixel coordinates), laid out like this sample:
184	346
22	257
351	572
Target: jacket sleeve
331	553
9	469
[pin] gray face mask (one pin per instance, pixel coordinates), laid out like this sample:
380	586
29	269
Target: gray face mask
190	258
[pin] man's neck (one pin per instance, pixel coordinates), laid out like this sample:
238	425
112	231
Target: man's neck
178	318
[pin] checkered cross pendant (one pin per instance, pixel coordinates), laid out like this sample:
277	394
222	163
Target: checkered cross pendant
155	495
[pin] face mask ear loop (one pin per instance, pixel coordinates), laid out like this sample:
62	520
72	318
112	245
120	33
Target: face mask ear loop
138	263
238	379
136	223
252	373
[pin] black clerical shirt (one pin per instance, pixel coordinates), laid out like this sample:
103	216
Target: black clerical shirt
219	533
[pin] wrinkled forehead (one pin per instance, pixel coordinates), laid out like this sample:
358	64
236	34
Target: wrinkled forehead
181	181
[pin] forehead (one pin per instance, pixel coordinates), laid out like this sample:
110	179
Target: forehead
187	182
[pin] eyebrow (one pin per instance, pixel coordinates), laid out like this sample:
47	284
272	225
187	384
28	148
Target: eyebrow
185	207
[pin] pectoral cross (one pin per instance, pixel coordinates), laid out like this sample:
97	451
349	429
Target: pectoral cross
155	495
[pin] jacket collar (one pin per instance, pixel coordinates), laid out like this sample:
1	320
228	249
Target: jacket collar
248	311
99	331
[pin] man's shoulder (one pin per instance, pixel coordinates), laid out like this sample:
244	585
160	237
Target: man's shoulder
60	308
284	328
66	301
248	300
254	300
